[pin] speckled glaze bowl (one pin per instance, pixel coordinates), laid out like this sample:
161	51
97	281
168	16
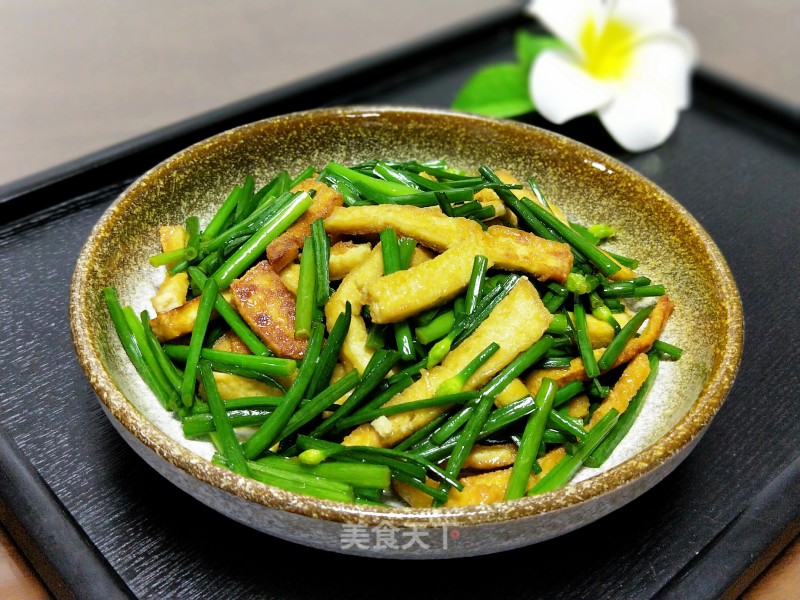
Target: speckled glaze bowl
592	187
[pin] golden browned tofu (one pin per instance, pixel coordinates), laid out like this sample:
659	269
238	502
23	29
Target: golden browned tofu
488	197
172	291
176	322
354	350
431	228
405	293
502	326
346	256
508	248
576	372
600	332
632	378
179	321
514	391
172	238
285	248
517	250
428	176
655	325
235	386
485	458
290	276
624	272
230	342
578	406
352	289
268	308
485	488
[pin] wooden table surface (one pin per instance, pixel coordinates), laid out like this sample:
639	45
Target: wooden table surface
81	75
781	581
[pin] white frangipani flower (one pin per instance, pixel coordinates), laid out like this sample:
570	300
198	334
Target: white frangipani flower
624	59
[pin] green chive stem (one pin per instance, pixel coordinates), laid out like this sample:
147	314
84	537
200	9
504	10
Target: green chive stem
232	318
268	433
276	367
207	300
626	419
563	472
306	296
241	260
232	450
616	346
456	383
531	439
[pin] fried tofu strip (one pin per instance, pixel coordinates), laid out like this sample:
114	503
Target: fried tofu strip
600	332
285	248
514	391
352	289
430	228
236	386
491	487
405	293
172	291
578	407
488	197
354	350
179	321
632	378
623	274
345	256
268	308
485	488
575	371
516	250
290	276
507	248
172	238
485	458
502	326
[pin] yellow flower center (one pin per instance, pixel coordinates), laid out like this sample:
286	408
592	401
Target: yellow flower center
609	51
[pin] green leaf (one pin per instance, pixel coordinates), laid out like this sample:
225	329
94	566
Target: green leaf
499	90
528	46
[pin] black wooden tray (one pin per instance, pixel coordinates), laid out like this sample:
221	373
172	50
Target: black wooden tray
96	522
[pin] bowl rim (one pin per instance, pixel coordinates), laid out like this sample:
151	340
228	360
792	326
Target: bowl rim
682	435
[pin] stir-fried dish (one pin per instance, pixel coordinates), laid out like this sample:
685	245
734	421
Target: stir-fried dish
399	330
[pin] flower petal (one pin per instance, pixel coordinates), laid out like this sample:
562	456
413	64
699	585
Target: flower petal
641	117
561	90
567	19
665	61
645	16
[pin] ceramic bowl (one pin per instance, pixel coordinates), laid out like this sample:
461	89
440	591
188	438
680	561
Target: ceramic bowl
590	186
